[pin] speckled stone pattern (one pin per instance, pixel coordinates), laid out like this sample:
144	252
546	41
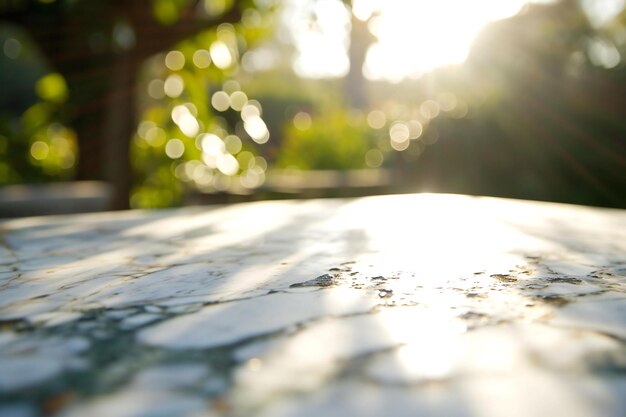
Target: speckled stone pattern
429	305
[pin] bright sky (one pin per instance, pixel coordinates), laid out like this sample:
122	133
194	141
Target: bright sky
413	37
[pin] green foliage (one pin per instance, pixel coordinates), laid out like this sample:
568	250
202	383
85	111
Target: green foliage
166	11
335	139
35	146
52	88
536	108
545	120
184	143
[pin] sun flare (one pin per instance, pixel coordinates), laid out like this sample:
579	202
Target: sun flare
411	37
416	37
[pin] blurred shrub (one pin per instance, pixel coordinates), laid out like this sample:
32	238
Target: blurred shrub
199	132
35	146
332	139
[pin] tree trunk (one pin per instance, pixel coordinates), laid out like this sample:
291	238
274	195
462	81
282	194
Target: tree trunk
104	122
360	39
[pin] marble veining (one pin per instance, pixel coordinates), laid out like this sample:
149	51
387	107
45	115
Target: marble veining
394	305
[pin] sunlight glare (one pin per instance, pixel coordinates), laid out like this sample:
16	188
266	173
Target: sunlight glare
412	38
186	122
220	54
257	129
417	37
321	45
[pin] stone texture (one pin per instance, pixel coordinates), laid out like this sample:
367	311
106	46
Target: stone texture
406	305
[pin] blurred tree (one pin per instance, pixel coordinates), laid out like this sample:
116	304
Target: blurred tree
98	47
546	117
355	83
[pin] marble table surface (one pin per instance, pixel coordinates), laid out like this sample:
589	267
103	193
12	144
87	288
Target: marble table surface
429	305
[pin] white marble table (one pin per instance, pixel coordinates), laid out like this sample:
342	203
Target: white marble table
429	305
